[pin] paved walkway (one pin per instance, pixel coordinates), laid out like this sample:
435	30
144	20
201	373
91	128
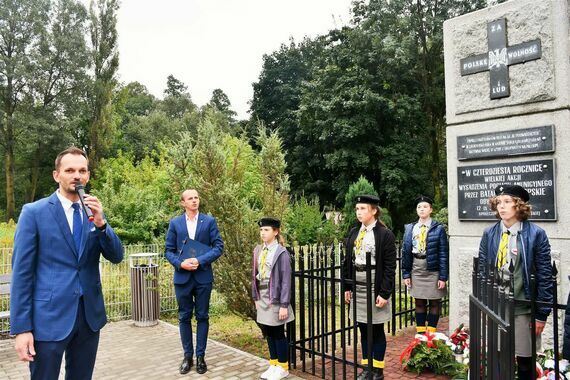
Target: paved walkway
129	352
134	353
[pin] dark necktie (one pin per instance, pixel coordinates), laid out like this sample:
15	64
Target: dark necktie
77	226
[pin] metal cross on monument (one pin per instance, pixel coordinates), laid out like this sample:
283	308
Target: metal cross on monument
499	57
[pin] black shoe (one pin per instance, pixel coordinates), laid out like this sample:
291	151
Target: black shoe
363	375
378	374
186	365
201	366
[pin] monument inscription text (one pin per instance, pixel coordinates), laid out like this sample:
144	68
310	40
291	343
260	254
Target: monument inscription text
476	184
506	143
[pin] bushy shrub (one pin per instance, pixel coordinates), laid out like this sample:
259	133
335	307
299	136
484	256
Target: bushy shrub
137	198
7	233
442	216
307	224
362	186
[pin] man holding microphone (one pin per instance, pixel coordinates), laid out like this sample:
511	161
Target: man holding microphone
56	302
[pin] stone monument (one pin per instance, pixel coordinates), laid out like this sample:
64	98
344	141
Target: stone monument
507	83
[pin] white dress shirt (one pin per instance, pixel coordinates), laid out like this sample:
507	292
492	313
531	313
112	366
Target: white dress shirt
68	210
368	245
191	225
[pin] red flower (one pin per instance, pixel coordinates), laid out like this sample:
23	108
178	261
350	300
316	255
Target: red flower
405	356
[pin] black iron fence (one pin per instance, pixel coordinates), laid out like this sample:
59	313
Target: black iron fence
492	323
323	334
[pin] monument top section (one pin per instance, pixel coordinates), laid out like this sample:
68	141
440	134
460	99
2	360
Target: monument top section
508	59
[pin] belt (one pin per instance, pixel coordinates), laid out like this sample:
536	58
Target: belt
419	256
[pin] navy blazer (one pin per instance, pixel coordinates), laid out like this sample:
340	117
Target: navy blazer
48	272
437	250
207	233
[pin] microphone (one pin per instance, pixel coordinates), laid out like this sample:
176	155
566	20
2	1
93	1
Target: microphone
80	190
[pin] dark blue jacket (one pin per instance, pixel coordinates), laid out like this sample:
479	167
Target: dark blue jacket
206	233
437	250
535	252
48	272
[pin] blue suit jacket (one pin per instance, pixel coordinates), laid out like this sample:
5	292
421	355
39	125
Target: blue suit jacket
206	233
48	272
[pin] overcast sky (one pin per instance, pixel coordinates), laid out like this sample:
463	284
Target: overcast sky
211	44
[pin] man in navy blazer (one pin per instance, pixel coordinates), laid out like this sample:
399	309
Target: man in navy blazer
193	276
56	302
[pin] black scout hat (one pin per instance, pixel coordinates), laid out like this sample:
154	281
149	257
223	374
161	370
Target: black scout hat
423	198
513	190
367	198
269	222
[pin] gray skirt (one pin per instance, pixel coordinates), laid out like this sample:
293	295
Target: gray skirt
424	282
379	315
268	313
523	336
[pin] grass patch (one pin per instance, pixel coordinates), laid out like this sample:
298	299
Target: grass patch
7	233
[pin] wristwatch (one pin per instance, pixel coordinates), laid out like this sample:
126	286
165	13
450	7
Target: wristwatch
103	227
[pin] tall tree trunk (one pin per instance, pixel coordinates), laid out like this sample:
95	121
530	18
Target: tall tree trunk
9	168
435	159
35	173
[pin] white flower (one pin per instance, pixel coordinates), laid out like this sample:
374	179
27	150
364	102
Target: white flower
549	364
440	336
421	337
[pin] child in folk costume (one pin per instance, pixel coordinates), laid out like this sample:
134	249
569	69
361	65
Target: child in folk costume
515	240
425	257
271	289
370	238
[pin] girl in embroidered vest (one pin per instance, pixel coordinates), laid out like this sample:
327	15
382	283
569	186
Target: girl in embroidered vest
425	257
517	244
271	284
370	237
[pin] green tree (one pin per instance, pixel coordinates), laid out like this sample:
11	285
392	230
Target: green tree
43	63
105	58
306	223
177	100
21	25
369	102
276	99
144	134
221	102
62	60
362	186
136	101
237	185
412	33
137	197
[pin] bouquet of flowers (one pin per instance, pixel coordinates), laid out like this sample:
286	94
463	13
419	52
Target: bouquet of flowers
432	352
545	364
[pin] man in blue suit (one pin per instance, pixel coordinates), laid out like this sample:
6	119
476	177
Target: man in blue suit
193	276
56	302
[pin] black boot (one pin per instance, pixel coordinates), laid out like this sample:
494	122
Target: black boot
201	366
378	374
186	365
